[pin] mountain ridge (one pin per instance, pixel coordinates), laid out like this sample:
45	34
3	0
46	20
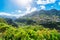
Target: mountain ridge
36	13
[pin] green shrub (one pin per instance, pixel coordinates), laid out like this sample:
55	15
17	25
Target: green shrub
31	33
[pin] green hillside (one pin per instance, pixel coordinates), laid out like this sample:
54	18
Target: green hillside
27	29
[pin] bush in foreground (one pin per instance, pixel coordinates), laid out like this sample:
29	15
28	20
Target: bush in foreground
30	33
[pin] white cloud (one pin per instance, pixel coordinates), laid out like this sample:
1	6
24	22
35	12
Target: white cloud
28	7
52	6
33	9
19	11
45	2
29	10
58	3
11	15
2	13
42	7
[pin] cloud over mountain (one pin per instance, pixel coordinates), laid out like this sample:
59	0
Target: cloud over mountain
45	1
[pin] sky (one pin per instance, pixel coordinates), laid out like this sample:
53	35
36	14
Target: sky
19	8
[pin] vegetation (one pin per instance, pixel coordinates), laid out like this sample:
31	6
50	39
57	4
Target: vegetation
29	32
30	28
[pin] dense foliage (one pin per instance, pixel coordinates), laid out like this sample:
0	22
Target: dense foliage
28	32
28	29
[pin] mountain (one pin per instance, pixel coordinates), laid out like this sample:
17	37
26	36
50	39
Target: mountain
47	18
44	12
36	14
44	15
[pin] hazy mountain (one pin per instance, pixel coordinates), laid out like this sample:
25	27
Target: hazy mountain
44	12
37	14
